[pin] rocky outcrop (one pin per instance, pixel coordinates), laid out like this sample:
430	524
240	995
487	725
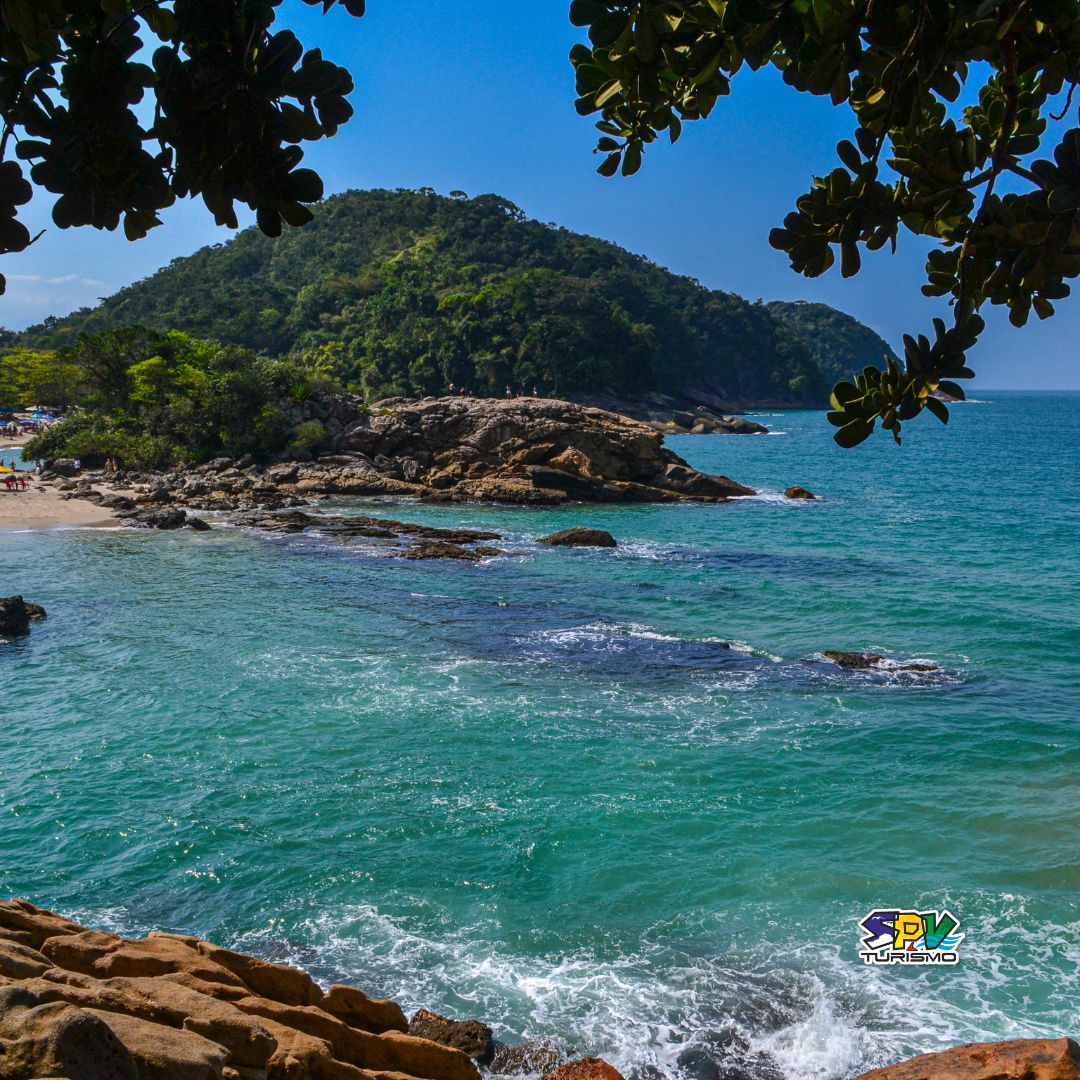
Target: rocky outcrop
796	492
525	451
470	1036
580	537
87	1005
16	615
1017	1059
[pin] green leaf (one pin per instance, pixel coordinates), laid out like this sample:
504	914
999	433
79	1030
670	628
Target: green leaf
938	408
853	433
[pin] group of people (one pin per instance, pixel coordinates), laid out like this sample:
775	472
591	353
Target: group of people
462	391
12	481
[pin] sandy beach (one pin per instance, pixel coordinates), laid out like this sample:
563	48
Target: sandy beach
41	507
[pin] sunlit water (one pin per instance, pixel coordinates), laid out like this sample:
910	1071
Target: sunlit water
605	796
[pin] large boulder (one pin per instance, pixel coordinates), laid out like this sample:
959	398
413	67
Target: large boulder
580	537
16	615
165	517
585	1069
797	492
1016	1059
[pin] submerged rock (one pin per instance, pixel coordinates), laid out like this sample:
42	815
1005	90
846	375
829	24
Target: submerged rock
405	538
860	661
796	492
580	537
534	1057
1016	1059
470	1036
16	615
86	1005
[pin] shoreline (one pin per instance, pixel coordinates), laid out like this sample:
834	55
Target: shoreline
42	508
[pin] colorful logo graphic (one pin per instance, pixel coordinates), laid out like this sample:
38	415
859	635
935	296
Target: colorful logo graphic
910	937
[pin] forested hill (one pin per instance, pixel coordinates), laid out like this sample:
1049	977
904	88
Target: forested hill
406	292
841	345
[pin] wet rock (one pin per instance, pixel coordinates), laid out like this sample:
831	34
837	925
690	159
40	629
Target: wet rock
530	1058
580	537
1016	1059
470	1036
197	524
166	517
796	492
860	661
584	1069
441	549
16	615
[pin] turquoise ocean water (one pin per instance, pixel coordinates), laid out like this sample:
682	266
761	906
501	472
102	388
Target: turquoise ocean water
609	797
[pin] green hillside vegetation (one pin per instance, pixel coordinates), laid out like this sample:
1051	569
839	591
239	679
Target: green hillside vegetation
839	344
403	292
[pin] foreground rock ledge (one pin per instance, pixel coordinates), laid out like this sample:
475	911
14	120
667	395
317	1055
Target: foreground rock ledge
87	1005
1017	1059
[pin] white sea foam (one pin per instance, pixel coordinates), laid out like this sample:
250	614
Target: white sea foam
802	1013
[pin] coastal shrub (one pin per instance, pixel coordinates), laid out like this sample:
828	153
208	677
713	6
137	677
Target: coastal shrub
159	397
95	438
310	435
51	443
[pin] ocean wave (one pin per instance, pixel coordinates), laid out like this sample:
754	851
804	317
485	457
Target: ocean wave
667	1007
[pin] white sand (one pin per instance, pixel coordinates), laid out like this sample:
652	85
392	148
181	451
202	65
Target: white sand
41	507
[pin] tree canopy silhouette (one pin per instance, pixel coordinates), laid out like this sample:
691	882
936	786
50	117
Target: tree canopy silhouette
919	160
220	111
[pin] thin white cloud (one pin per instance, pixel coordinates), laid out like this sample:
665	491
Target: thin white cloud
67	279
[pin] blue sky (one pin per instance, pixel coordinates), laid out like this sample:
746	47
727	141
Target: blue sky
479	96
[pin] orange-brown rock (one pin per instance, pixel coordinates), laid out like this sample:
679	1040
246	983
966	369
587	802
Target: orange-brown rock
89	1005
1016	1059
584	1069
360	1011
